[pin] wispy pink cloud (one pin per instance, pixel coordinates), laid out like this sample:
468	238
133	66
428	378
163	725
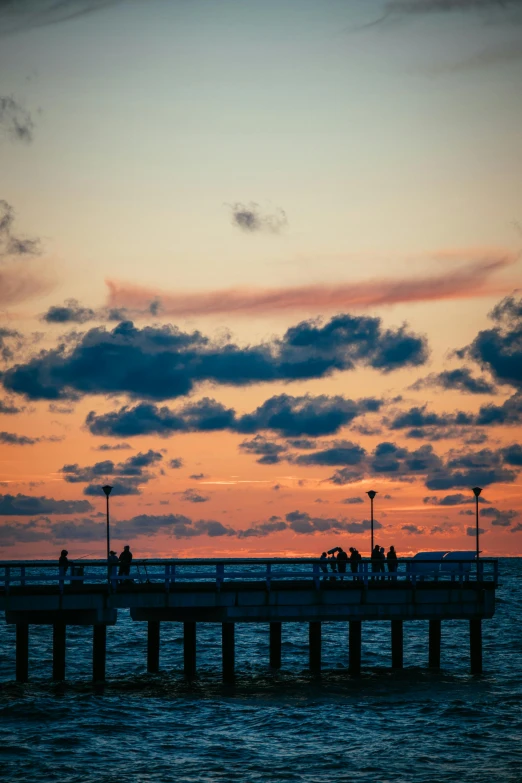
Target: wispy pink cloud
469	280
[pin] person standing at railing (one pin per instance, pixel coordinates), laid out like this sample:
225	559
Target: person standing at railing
342	559
333	563
63	562
382	562
391	559
125	561
355	559
376	559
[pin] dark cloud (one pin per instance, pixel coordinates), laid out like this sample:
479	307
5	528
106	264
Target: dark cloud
26	505
6	407
307	415
460	379
512	455
457	499
62	409
198	476
509	412
193	496
284	414
70	312
339	452
176	463
303	523
413	530
161	362
472	531
420	417
269	452
499	349
114	447
263	529
251	219
351	501
10	439
499	518
126	476
10	341
15	121
459	470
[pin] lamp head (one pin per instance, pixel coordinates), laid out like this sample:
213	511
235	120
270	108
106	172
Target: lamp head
107	490
477	491
371	494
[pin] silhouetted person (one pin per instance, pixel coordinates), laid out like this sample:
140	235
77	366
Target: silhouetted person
382	561
324	565
113	558
391	558
342	559
354	560
125	561
63	562
376	559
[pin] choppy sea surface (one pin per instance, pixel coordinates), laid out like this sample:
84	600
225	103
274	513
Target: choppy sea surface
414	725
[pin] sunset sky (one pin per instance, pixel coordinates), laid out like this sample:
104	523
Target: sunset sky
258	257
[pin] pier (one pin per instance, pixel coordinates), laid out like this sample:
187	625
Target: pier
274	591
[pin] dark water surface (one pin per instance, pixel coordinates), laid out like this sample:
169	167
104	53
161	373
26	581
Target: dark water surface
413	725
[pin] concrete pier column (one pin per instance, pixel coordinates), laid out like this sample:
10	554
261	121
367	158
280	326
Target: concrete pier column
59	639
355	637
22	652
475	645
99	647
275	645
228	651
314	632
189	649
397	638
153	646
434	644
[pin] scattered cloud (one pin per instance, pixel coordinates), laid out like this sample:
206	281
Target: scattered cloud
269	452
114	447
352	501
15	121
499	518
457	499
460	379
27	505
251	219
176	463
284	414
126	476
70	312
10	439
161	362
193	496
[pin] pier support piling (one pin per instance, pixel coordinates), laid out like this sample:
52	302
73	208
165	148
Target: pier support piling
275	645
153	646
59	641
355	638
397	644
99	647
22	652
434	644
189	649
228	651
315	646
475	645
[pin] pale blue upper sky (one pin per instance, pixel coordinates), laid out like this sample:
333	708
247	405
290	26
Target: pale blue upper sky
380	144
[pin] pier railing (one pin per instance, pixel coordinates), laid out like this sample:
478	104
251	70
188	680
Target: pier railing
170	573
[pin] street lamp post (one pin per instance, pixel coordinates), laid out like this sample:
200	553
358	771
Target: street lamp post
371	494
107	489
476	492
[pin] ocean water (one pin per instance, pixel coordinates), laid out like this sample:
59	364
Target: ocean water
411	726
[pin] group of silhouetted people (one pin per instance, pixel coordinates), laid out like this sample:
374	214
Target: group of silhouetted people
338	560
123	561
379	559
